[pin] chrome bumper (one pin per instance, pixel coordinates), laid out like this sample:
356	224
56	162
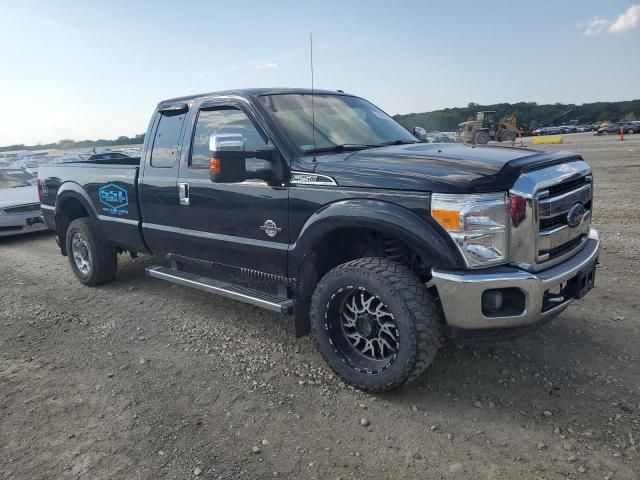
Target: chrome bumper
461	291
18	223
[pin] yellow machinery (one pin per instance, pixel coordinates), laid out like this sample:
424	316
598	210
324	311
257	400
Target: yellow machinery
484	127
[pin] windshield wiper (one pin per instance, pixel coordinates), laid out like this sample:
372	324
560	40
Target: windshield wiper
396	142
345	147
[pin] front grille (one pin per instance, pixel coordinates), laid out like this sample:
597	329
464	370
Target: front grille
558	220
556	237
566	247
549	223
569	185
31	207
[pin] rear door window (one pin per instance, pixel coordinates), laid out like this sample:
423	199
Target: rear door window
166	143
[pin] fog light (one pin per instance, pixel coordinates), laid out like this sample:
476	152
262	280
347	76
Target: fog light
503	302
492	300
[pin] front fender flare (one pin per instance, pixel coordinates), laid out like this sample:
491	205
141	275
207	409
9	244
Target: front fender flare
422	235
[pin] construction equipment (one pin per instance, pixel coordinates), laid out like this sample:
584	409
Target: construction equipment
484	127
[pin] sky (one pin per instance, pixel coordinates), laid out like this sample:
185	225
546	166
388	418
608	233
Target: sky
96	69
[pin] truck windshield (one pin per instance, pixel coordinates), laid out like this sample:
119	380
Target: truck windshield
14	178
341	122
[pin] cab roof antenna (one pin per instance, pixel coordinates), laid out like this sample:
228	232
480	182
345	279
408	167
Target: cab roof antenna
313	107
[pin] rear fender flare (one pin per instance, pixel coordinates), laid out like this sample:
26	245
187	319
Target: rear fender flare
69	191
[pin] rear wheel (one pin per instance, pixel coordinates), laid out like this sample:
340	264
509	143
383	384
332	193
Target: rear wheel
507	136
481	138
375	323
630	131
92	261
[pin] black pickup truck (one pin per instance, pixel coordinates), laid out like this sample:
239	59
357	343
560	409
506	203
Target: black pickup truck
378	244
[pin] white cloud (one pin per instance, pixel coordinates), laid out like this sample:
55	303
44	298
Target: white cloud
596	25
629	19
267	65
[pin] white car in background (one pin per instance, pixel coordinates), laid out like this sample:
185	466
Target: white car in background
19	202
31	164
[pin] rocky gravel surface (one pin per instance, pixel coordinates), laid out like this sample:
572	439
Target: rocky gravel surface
143	379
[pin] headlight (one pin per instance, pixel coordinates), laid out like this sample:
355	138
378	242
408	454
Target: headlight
477	223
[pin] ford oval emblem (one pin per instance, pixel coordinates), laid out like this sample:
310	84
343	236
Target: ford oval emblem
574	216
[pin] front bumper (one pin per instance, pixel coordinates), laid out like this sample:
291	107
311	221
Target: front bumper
461	291
19	223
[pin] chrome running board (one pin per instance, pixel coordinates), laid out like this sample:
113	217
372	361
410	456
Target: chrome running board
269	301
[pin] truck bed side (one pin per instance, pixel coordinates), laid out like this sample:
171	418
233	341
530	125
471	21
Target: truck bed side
106	192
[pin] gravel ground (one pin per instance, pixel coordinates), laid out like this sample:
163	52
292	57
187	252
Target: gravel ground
144	379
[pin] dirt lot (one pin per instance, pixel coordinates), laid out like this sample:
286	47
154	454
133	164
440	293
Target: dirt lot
143	379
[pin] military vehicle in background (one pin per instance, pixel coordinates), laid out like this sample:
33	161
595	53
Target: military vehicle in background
485	127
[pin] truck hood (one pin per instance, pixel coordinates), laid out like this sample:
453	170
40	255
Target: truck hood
11	197
444	167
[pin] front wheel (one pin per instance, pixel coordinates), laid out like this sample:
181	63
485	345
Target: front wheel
375	324
481	138
92	261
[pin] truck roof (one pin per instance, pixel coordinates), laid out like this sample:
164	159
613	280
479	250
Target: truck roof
252	92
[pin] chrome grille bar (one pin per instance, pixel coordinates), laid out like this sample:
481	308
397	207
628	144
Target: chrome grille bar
551	241
554	206
545	237
556	237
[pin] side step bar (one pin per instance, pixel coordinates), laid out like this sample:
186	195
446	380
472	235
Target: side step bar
272	302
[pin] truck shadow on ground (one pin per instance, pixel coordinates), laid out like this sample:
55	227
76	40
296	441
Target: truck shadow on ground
14	240
543	378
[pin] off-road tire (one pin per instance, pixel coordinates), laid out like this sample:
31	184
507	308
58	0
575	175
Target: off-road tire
415	312
481	138
103	258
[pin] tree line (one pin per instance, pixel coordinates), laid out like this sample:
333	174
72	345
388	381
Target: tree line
528	113
71	144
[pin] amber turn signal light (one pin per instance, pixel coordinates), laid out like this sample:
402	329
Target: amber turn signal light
449	219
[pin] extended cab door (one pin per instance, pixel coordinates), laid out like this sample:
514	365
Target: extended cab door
158	184
243	224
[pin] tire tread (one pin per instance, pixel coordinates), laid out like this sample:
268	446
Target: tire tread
419	305
105	256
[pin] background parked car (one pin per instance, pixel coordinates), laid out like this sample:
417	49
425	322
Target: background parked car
78	157
19	202
108	156
631	127
609	128
548	131
31	164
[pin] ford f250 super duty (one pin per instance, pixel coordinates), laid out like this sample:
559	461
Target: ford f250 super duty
377	244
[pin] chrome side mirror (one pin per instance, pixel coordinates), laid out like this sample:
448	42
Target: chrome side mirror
226	142
227	162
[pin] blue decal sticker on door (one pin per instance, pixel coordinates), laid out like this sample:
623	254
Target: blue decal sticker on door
114	199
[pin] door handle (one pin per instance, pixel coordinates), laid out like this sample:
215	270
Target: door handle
183	193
